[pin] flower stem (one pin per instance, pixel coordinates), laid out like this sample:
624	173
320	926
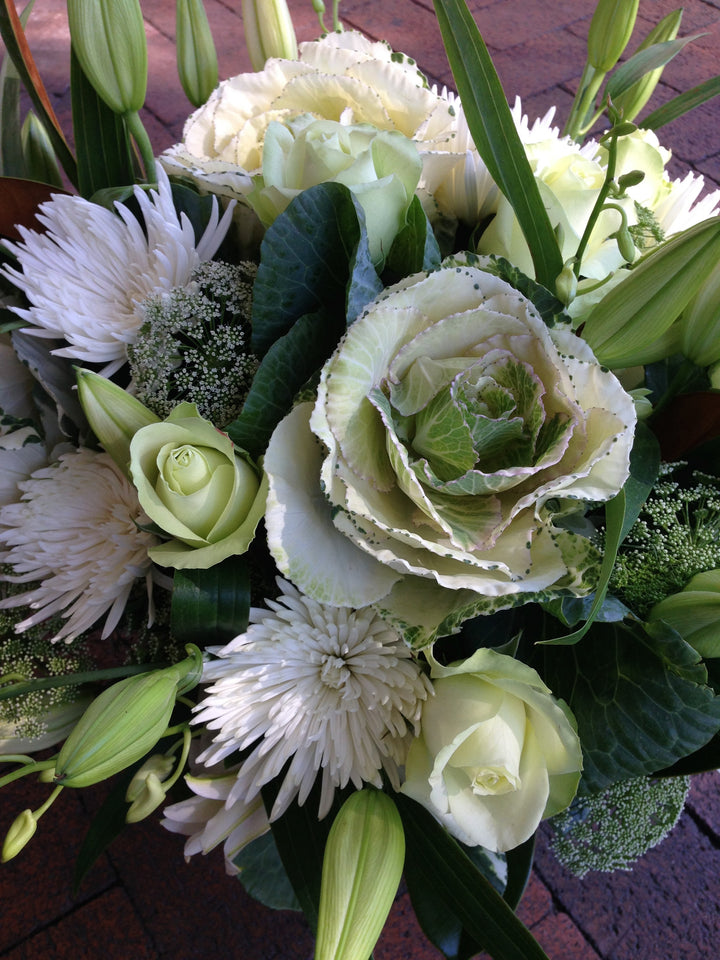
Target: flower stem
590	82
26	770
142	140
89	676
599	203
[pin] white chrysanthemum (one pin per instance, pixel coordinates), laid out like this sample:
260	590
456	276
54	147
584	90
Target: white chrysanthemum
328	689
209	818
75	530
88	273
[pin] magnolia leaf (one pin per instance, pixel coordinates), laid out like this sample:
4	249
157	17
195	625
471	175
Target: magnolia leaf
622	683
19	200
495	134
682	104
644	62
211	605
688	421
315	255
263	876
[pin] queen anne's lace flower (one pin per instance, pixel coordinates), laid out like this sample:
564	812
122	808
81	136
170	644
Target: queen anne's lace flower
74	535
88	273
332	690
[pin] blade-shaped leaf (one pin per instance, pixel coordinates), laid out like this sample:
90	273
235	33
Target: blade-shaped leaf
211	606
495	134
104	155
682	104
11	158
415	247
634	69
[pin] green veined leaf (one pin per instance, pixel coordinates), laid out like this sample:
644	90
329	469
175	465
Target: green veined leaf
211	606
495	134
682	104
414	248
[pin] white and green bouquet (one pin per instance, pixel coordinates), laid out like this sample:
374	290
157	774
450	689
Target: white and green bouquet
359	465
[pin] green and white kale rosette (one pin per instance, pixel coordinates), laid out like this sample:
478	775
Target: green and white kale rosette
372	435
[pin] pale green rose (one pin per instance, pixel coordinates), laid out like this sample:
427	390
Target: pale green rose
381	167
496	752
197	487
454	427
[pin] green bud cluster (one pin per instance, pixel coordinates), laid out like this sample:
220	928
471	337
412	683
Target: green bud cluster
194	344
586	835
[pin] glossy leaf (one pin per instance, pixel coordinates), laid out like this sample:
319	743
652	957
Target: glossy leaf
211	606
263	875
495	134
19	200
688	421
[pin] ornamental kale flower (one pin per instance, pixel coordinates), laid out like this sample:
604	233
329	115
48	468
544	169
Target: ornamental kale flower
454	425
194	344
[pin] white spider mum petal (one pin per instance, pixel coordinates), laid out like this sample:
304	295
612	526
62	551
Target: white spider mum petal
88	272
74	535
323	689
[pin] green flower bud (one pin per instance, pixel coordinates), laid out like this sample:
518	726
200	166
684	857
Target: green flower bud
196	56
123	723
610	30
566	284
108	37
158	766
38	154
631	102
114	415
695	613
362	867
152	795
269	31
20	833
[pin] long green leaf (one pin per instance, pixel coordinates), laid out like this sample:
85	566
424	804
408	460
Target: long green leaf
211	606
495	134
437	861
682	104
104	156
11	158
644	62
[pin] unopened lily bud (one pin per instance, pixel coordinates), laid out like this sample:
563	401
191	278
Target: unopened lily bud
158	766
631	102
566	284
630	179
38	154
124	723
610	30
108	37
19	835
269	31
152	795
196	56
695	613
626	244
114	415
362	867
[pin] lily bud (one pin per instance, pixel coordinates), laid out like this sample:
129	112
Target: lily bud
148	800
695	613
38	154
566	284
196	56
108	37
610	30
362	867
269	31
20	833
124	723
631	102
114	415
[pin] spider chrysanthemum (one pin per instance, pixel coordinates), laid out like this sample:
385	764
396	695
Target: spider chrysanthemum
326	690
74	536
88	272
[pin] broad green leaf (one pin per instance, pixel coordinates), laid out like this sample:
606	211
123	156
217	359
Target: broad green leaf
620	514
682	104
315	255
263	876
289	363
495	134
701	761
414	248
644	62
17	49
640	698
624	327
436	862
211	606
104	155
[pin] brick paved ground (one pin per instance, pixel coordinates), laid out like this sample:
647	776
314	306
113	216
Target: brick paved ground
141	901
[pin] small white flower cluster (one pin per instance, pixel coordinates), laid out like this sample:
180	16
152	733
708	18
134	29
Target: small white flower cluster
194	344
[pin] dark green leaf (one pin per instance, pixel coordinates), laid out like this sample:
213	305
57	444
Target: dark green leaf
495	134
104	155
547	304
263	875
701	761
434	861
288	364
314	256
682	104
640	698
519	866
211	606
415	247
645	61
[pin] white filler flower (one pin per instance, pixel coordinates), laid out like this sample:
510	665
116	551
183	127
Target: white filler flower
327	688
74	536
88	273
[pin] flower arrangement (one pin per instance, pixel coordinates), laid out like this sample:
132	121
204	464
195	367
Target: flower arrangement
347	429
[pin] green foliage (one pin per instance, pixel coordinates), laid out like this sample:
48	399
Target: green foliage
586	835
